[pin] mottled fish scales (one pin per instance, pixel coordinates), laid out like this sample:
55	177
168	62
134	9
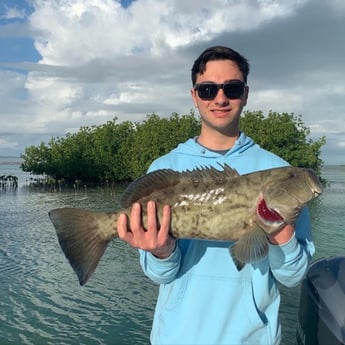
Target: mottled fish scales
206	203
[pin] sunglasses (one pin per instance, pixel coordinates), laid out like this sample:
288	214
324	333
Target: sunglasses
232	89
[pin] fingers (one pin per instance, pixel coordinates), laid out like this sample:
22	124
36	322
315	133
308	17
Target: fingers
122	228
154	236
166	242
151	215
136	225
165	224
282	236
130	230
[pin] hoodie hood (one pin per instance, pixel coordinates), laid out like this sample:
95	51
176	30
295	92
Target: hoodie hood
245	156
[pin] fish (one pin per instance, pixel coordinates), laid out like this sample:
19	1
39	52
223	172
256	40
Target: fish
206	203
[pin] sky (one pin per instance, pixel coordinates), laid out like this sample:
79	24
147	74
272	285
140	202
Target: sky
65	64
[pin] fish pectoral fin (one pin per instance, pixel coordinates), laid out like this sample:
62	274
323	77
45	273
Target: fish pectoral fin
250	248
77	232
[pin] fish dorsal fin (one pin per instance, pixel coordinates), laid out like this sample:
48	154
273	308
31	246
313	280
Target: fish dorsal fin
145	184
228	171
165	178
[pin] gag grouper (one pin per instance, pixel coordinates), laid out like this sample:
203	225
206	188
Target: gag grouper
205	204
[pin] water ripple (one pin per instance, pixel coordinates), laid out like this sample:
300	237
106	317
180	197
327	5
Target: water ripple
40	298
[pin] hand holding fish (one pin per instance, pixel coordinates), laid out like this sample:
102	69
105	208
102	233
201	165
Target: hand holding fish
155	237
282	236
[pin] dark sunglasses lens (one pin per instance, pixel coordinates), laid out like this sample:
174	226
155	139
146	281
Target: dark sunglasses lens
207	91
233	90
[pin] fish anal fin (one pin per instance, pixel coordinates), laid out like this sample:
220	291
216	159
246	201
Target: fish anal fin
251	247
81	238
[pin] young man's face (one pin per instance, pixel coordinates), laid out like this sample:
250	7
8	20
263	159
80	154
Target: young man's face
221	113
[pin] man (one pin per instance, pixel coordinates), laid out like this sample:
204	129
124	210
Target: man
203	298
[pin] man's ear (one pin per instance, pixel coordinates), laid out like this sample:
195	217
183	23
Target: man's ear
194	97
246	93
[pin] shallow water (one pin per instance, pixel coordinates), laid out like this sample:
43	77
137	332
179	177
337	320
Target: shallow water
41	301
328	219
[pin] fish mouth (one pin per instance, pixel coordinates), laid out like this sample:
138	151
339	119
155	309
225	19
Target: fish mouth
313	182
317	192
268	215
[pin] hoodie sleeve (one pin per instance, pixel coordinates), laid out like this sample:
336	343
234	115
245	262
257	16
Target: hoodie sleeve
161	271
289	262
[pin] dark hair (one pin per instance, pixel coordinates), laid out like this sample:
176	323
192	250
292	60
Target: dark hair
219	53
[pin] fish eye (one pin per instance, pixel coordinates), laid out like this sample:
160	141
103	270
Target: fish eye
291	175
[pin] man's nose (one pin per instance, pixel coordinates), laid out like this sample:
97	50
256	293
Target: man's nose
221	97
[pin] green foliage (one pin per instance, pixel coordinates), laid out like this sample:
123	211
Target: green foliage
123	151
36	159
110	152
285	135
156	136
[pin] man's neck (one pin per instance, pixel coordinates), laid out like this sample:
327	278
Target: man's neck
218	142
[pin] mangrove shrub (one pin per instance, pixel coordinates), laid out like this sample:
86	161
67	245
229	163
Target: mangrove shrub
123	151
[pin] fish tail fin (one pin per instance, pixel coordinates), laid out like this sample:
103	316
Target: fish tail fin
83	236
249	248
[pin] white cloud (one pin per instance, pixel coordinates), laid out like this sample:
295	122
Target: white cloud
13	13
274	99
6	143
97	33
75	32
100	60
338	7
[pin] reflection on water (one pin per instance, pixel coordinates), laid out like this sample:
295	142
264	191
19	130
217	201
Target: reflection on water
42	303
328	219
40	299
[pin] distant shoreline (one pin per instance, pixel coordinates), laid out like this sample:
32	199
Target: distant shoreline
10	157
10	160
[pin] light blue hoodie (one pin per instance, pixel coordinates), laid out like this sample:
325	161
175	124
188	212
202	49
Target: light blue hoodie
203	299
